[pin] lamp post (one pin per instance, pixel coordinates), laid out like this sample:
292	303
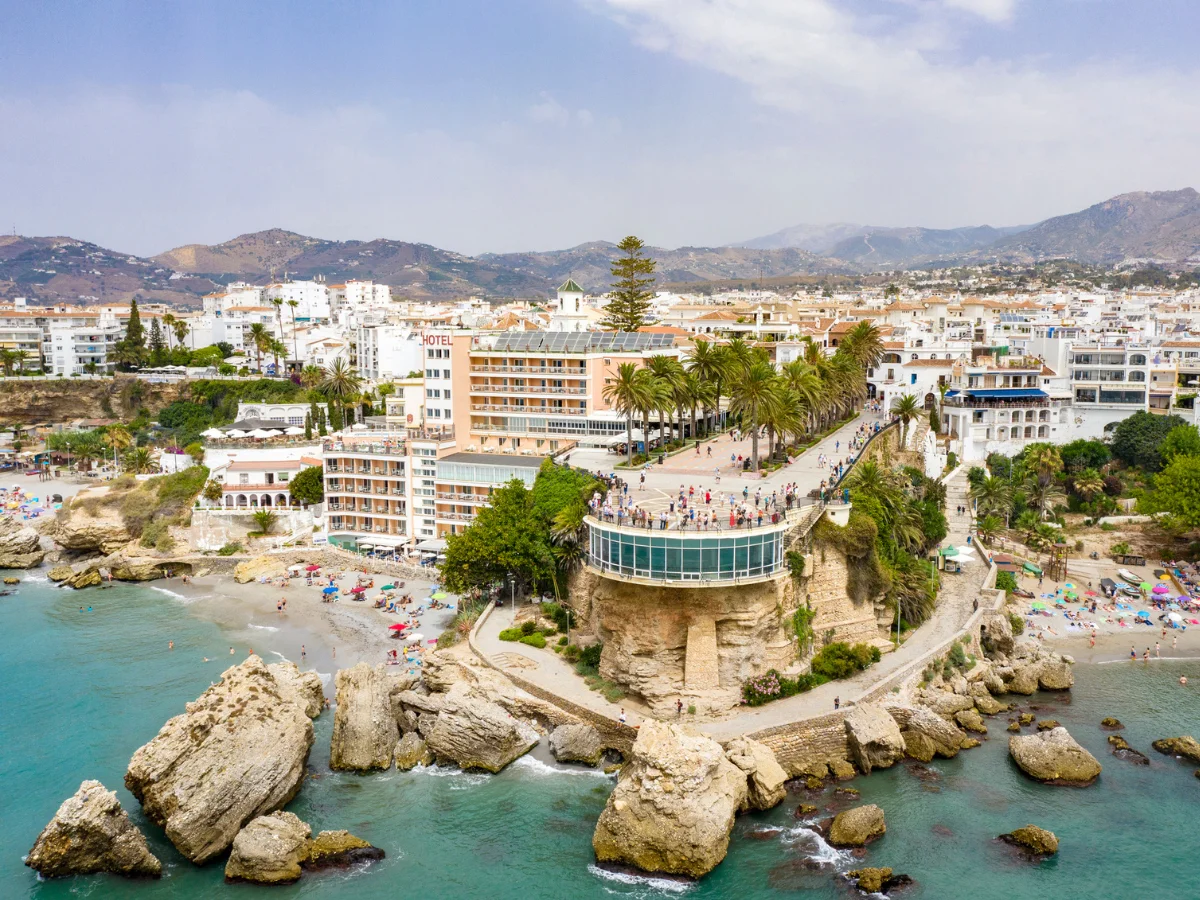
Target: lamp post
512	592
68	457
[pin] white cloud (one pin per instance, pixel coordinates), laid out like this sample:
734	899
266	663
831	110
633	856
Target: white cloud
549	110
992	10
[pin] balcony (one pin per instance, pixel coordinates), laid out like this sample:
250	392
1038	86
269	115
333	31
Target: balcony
470	498
577	372
525	389
372	448
455	517
530	410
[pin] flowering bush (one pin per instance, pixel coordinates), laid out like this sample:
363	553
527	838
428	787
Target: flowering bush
772	686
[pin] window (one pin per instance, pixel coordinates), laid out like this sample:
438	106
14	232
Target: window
284	476
445	373
434	393
243	478
431	373
447	393
447	414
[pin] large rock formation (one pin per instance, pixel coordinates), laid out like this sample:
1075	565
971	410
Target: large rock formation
269	850
925	733
475	733
873	737
1053	757
303	688
275	849
238	752
364	726
765	778
1186	746
253	569
412	752
674	804
856	827
92	833
88	525
996	634
577	742
88	576
19	547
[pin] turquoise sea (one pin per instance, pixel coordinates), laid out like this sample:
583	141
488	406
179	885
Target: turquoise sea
84	689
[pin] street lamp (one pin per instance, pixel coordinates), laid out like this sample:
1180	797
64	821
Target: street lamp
512	592
68	457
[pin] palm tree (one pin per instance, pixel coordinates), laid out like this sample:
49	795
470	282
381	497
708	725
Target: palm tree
655	396
864	345
278	304
276	347
667	371
181	330
138	460
265	520
782	415
292	304
625	393
258	338
8	360
869	479
1089	484
988	527
168	327
709	364
340	383
118	438
906	409
754	392
993	495
702	394
311	376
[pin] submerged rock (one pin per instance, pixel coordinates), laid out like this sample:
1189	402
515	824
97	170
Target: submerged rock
577	742
60	573
1037	841
1054	757
874	738
877	881
237	753
364	727
337	850
674	804
1111	723
765	778
1047	724
269	850
856	827
92	833
1186	747
1122	750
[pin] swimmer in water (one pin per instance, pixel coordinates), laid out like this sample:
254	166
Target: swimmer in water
206	659
231	651
170	645
1183	680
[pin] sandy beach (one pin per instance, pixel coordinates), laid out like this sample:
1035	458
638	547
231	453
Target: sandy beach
315	635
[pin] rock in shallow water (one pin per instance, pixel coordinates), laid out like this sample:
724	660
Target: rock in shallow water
1054	757
874	738
92	833
765	778
412	752
856	827
269	850
475	733
364	727
238	752
1037	841
674	804
1187	747
577	742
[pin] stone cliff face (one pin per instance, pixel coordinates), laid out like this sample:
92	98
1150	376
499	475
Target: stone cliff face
59	399
88	527
238	752
19	547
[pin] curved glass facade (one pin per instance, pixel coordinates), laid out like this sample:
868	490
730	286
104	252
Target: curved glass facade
672	556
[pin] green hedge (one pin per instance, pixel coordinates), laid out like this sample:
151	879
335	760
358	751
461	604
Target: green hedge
838	660
537	639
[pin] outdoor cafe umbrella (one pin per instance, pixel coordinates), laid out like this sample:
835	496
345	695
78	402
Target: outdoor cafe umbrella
294	431
961	558
262	433
212	433
235	433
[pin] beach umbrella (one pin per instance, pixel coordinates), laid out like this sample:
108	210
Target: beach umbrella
1145	586
1175	617
1068	586
1038	604
312	568
439	595
1142	614
414	638
1091	593
1183	599
357	589
388	587
1161	589
399	626
330	590
1163	577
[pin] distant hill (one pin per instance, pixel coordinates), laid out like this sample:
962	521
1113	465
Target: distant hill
877	246
1159	225
819	239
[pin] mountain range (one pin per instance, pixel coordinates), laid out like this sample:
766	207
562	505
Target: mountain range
1160	227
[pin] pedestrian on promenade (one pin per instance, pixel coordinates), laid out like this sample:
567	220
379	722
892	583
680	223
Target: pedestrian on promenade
837	702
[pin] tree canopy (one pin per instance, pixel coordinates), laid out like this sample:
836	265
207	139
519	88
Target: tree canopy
309	485
1137	439
629	296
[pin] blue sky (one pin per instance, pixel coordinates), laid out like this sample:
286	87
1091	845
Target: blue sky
539	124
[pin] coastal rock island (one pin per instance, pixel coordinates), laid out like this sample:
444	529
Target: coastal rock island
1054	757
238	752
674	804
364	727
92	833
278	848
19	546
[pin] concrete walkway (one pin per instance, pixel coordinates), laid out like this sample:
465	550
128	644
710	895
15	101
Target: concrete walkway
954	607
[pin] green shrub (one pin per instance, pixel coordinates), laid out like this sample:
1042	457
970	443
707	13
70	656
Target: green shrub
590	655
1018	624
773	686
528	627
152	533
231	548
839	660
691	710
562	641
1006	581
511	634
537	639
165	543
557	614
571	652
957	656
951	460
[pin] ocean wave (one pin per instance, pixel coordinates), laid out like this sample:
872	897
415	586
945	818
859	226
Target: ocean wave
280	655
172	594
37	579
660	885
262	627
461	780
814	846
325	677
536	766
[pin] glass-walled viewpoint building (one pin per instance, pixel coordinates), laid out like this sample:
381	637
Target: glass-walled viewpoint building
716	556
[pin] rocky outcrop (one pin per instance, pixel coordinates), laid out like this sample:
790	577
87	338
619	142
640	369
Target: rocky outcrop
276	849
475	733
269	850
1186	747
237	753
995	633
302	688
674	804
92	833
1037	841
1122	750
1054	674
411	752
253	569
877	881
970	720
856	827
89	576
925	733
60	573
1111	723
944	703
765	778
19	546
1054	757
873	737
87	525
577	742
364	727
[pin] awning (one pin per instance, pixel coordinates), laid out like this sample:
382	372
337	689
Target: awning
1030	567
1008	394
435	546
389	541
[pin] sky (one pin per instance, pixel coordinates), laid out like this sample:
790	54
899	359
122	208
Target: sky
505	125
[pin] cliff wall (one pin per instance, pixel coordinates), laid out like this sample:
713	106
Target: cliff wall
26	401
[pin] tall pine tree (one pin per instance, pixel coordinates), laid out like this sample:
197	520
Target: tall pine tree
158	347
629	298
130	351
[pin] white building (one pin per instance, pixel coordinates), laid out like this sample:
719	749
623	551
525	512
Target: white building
71	349
311	299
386	352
